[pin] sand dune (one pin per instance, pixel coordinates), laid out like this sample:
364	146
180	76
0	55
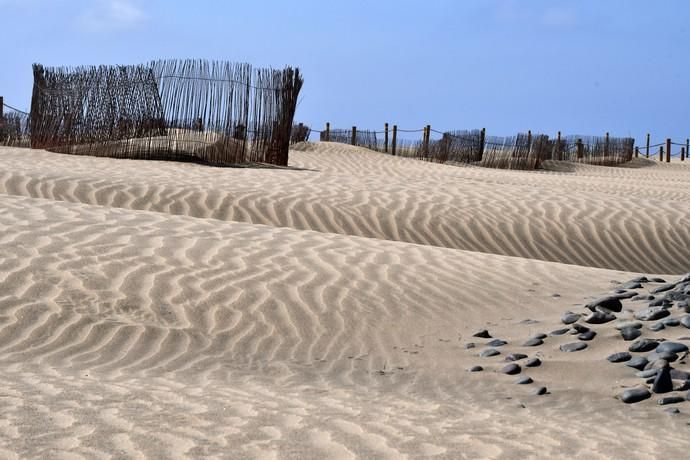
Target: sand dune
170	310
633	218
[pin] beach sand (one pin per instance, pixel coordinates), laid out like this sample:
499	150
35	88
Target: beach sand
170	310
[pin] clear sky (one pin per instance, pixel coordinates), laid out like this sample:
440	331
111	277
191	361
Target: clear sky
582	67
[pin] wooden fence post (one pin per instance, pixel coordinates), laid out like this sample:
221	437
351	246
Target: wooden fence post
482	141
637	151
328	132
682	154
647	145
558	146
661	153
395	139
580	149
687	146
606	145
668	150
385	137
529	140
354	135
2	108
427	131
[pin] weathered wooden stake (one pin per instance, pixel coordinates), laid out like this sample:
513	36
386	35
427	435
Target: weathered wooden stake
637	151
687	146
354	135
529	140
427	135
2	107
606	145
558	145
661	153
328	132
682	154
647	145
668	150
385	137
580	149
482	141
395	139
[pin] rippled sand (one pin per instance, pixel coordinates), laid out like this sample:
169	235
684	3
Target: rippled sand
152	309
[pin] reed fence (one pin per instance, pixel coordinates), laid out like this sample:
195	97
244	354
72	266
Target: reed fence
212	112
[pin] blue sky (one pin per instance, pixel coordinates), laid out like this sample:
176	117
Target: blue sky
583	67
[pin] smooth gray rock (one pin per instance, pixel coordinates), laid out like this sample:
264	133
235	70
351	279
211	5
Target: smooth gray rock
560	331
579	328
670	400
673	347
533	342
651	314
470	345
630	333
599	317
496	343
533	362
645	374
489	352
525	380
643	297
668	356
656	327
611	303
662	288
685	321
619	357
662	381
569	317
671	322
657	280
637	362
511	369
540	391
679	375
483	334
541	335
572	347
656	364
639	279
516	356
660	302
628	324
643	345
587	336
631	285
475	369
634	395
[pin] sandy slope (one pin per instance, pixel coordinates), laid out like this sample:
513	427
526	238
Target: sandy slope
633	219
130	333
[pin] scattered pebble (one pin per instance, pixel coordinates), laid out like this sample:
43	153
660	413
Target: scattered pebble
515	357
496	343
647	373
533	342
628	324
559	331
673	347
571	347
670	400
570	317
511	369
634	395
489	352
540	391
643	345
610	303
525	380
662	381
475	369
662	288
533	362
470	345
620	357
651	314
656	327
630	333
483	334
587	336
599	317
672	410
685	321
638	362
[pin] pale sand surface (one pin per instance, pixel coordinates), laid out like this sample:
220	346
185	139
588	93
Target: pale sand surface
128	333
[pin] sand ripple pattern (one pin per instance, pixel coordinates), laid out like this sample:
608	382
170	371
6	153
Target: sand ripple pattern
633	218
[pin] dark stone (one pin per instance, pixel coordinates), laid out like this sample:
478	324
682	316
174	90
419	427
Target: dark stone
656	327
645	374
662	381
656	364
679	375
475	369
660	302
610	303
533	342
625	295
599	317
533	362
673	347
630	333
483	334
489	352
668	356
470	345
671	322
643	297
569	317
631	285
685	321
643	345
571	347
579	328
651	314
637	362
540	391
634	395
511	369
639	279
657	280
587	336
633	324
541	335
663	288
525	380
515	357
496	343
619	357
529	321
670	400
560	331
